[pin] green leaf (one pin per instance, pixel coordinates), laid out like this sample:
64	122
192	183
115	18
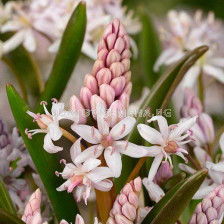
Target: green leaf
171	206
63	203
172	181
9	218
67	56
24	68
158	98
149	48
5	200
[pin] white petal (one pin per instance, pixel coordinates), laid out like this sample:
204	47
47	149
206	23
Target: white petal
75	150
123	128
90	164
29	41
104	185
221	143
163	126
102	124
150	134
79	219
64	186
191	76
155	165
215	72
174	58
88	133
10	26
57	109
153	150
113	160
99	174
63	222
92	152
217	62
183	126
49	146
54	131
202	156
186	168
130	149
203	191
154	190
55	46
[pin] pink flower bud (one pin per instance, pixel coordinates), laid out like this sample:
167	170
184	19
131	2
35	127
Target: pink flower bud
126	63
107	93
116	113
91	83
104	76
128	88
127	76
118	84
112	57
32	210
125	98
108	30
85	96
119	45
111	41
95	99
77	107
102	45
117	69
99	64
163	173
102	54
125	54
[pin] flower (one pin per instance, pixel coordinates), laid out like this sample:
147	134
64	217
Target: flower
84	175
126	208
79	220
184	35
49	124
166	142
109	141
32	211
211	209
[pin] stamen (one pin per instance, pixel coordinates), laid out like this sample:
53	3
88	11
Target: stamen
54	100
57	173
126	145
63	161
123	129
28	134
43	103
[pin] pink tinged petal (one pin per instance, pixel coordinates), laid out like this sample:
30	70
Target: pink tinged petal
86	194
113	160
123	128
112	57
129	211
90	164
127	77
37	219
54	131
102	123
104	185
125	98
221	143
94	101
107	93
29	41
150	134
77	107
122	219
128	88
155	165
63	222
186	168
79	219
49	146
163	125
85	96
215	72
75	150
130	149
91	152
64	186
98	65
88	133
91	83
104	76
99	174
154	190
182	127
117	69
118	84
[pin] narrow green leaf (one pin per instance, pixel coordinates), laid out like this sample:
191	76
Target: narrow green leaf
149	48
171	206
5	200
172	181
24	68
63	203
158	98
9	218
67	56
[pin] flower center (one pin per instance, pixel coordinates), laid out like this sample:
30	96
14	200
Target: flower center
107	140
43	121
171	147
76	180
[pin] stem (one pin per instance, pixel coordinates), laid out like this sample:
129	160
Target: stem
91	212
210	150
136	170
68	135
194	163
201	88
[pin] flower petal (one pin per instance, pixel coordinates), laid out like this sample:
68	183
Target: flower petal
113	160
49	146
90	164
221	143
202	156
186	168
155	165
123	128
150	134
99	174
29	41
203	191
57	109
79	219
191	76
64	186
88	133
104	185
54	131
215	72
102	124
75	150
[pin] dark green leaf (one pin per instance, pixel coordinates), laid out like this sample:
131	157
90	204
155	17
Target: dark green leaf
67	56
171	206
63	203
9	218
5	200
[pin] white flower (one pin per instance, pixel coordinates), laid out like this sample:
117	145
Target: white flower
49	124
109	141
85	175
79	220
184	35
168	141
